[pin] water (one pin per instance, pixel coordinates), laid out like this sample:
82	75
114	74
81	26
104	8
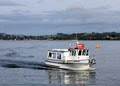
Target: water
22	64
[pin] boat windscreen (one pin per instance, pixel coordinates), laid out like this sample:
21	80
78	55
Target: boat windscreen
79	53
73	52
85	52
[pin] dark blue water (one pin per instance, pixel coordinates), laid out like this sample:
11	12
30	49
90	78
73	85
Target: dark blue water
22	64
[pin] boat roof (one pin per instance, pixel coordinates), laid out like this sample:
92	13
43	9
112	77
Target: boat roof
59	50
63	50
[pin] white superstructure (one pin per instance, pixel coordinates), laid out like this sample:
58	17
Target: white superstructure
72	58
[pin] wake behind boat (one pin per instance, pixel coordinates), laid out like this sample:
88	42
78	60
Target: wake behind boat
77	58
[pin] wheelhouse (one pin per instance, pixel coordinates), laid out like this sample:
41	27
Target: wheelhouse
77	52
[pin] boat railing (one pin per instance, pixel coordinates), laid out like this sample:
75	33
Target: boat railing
92	60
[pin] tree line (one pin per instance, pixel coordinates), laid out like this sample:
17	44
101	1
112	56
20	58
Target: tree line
63	36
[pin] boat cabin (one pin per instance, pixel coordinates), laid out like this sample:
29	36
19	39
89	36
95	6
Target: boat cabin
68	54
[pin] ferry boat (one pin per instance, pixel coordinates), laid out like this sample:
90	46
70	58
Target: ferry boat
77	58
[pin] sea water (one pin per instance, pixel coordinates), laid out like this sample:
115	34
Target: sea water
22	64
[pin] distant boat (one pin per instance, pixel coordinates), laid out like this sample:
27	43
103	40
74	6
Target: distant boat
77	58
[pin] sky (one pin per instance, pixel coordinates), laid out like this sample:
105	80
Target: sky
42	17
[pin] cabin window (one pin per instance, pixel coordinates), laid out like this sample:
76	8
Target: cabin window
54	55
79	53
87	52
73	52
84	52
58	56
50	54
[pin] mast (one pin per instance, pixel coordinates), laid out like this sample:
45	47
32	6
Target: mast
76	39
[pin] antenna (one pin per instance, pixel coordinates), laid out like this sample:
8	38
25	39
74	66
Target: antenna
76	38
70	45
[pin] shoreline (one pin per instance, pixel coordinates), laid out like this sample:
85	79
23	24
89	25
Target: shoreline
61	36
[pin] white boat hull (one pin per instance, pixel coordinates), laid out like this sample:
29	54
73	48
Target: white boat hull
69	66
